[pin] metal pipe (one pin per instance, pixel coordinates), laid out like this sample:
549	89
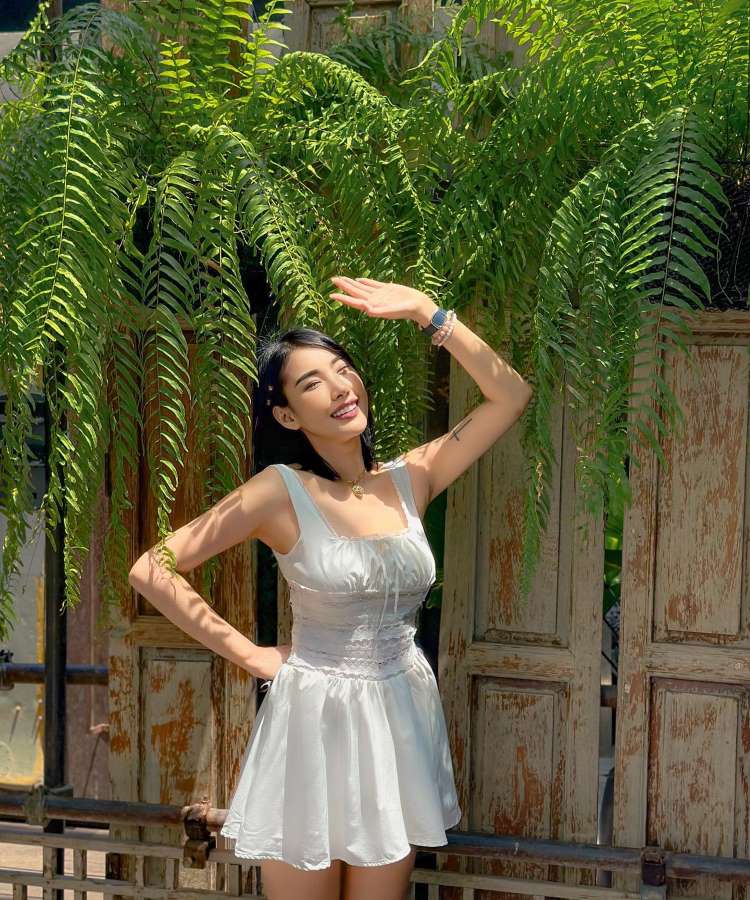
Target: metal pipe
55	645
33	673
488	846
76	809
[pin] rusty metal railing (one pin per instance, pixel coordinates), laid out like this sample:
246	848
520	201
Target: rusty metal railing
651	866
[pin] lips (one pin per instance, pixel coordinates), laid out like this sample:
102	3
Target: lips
349	406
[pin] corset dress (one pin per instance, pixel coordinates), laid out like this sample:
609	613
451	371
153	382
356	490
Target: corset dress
348	757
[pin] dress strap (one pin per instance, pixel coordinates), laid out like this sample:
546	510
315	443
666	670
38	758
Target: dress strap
403	484
309	517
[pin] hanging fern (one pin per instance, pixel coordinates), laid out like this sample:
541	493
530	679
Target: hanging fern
576	201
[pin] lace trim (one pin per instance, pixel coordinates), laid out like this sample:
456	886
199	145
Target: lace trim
336	672
333	654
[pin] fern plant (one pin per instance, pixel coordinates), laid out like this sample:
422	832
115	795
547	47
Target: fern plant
574	201
602	184
147	152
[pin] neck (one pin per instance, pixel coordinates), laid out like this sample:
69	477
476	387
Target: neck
345	459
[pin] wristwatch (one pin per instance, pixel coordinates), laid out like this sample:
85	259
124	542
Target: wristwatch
438	317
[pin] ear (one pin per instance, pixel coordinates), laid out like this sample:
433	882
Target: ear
284	416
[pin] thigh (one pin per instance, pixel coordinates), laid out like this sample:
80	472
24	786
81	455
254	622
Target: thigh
280	881
386	882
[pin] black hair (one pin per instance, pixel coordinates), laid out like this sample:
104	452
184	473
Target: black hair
272	442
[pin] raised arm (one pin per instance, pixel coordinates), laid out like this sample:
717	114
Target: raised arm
235	518
437	463
434	465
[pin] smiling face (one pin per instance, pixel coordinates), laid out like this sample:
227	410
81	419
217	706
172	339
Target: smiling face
317	382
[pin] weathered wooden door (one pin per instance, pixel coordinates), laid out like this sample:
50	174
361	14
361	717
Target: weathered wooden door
683	720
520	684
180	716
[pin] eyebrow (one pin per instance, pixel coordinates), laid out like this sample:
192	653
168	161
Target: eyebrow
317	371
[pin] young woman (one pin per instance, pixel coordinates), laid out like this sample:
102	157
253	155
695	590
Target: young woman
348	768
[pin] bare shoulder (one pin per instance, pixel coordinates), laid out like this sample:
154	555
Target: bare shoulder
276	524
269	487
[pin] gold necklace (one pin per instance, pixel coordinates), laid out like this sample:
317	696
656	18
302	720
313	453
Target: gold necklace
356	487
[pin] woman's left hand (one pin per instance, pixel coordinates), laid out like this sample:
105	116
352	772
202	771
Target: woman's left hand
384	300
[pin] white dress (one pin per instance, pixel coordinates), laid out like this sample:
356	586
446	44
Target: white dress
348	757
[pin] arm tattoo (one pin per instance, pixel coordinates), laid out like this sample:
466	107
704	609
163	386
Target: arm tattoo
454	433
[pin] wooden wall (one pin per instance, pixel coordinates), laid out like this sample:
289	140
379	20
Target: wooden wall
180	716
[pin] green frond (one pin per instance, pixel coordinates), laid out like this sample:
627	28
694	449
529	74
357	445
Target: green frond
169	288
572	193
224	368
258	57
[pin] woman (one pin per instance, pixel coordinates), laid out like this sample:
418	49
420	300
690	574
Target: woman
347	769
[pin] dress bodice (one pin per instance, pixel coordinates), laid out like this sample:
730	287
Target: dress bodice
354	599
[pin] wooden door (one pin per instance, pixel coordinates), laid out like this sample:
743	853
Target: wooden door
180	715
683	721
520	684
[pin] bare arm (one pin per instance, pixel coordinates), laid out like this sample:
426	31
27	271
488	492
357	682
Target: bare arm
235	518
437	463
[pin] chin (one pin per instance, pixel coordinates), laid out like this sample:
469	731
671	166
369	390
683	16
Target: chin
358	423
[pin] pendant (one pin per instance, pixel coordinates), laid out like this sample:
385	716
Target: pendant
357	490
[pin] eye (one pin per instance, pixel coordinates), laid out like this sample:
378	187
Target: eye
345	368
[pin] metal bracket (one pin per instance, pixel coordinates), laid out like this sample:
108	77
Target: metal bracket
653	874
200	842
195	853
35	806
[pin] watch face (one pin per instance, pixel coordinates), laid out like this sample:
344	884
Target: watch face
438	317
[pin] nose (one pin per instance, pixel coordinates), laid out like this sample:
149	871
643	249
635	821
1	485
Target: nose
342	388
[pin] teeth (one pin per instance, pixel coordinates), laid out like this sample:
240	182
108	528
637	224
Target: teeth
347	408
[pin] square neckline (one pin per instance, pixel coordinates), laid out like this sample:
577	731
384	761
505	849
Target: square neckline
388	467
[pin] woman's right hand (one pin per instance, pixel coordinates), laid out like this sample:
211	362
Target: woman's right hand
268	660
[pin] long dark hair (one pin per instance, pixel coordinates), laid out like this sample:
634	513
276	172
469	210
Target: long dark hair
271	441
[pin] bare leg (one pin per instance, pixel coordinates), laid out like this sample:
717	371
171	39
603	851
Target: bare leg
387	882
280	881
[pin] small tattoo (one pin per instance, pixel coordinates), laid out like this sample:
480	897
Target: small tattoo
454	433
